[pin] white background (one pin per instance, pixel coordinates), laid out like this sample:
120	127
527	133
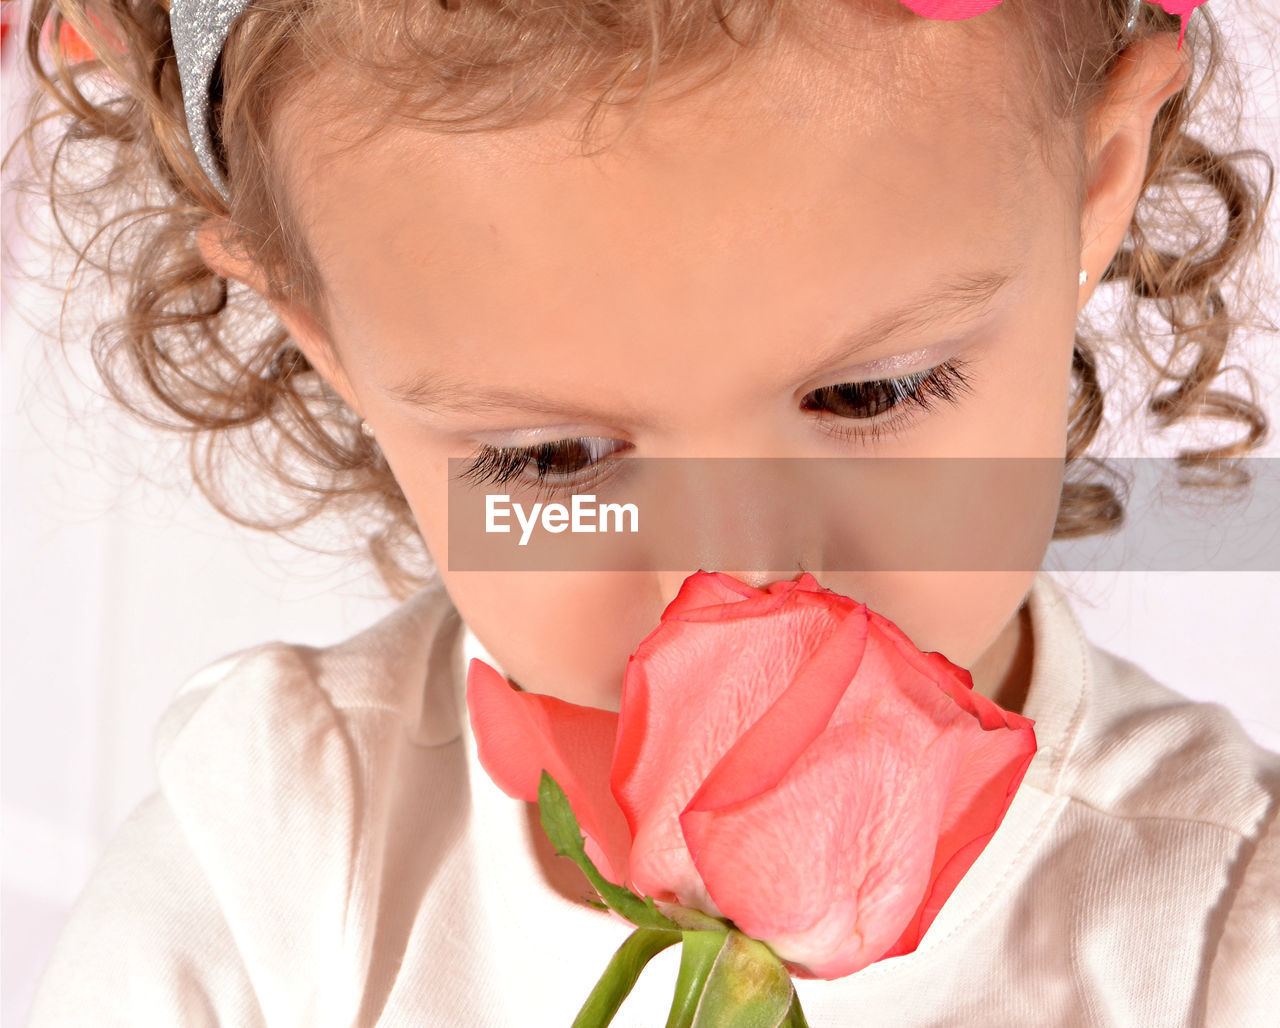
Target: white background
117	587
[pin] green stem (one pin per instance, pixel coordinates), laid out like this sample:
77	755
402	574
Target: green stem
697	957
561	826
620	976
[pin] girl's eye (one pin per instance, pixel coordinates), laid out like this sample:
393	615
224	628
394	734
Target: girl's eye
559	464
866	401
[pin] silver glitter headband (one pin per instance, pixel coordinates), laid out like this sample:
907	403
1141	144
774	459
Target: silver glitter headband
199	28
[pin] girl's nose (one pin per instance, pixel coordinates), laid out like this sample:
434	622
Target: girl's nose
740	517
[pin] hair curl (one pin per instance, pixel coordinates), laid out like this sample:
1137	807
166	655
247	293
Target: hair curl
190	351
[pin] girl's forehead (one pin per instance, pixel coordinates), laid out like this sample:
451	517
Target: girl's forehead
845	83
761	164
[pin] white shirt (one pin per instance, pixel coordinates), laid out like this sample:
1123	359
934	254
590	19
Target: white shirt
324	849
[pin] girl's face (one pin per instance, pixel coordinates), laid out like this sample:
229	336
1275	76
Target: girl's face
681	293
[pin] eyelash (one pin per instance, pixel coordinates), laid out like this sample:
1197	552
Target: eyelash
498	465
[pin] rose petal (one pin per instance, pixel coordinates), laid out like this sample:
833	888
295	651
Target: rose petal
981	793
691	691
767	750
850	857
723	604
519	734
806	582
994	768
706	589
928	662
828	866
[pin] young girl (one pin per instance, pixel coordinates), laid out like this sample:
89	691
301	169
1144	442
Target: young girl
535	239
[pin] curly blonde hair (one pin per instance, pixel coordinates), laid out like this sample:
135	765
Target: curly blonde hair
191	351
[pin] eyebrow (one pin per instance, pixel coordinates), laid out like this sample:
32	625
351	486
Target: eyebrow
949	300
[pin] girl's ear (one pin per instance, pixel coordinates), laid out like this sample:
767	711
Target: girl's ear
1118	142
307	334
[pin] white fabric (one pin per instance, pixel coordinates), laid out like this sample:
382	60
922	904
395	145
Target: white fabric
325	850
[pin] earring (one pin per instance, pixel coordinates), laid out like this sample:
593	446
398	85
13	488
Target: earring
1084	276
364	427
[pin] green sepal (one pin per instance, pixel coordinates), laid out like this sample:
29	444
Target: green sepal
697	957
562	829
620	976
748	987
795	1016
691	920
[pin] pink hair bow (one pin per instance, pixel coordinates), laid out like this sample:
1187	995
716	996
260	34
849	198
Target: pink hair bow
958	10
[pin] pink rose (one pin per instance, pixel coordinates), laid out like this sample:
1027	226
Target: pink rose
784	758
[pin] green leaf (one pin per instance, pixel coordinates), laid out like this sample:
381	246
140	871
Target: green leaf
696	960
620	976
747	988
562	829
